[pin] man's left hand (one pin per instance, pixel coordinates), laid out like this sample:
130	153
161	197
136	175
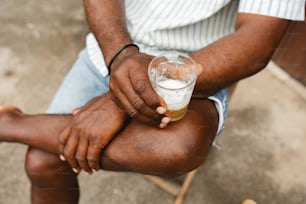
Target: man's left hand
91	129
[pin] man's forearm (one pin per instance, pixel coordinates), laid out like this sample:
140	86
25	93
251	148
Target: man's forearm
106	20
240	54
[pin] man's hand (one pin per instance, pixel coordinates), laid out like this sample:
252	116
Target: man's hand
92	128
132	91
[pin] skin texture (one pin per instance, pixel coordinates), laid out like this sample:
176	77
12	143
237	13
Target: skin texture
179	148
246	51
116	129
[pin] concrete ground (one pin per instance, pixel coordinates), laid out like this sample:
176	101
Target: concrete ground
262	152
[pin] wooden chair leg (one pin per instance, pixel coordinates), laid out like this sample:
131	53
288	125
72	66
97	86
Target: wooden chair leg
172	188
167	186
185	187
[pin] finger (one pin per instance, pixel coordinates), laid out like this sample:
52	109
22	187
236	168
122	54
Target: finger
186	72
174	70
144	89
10	109
139	104
62	140
70	150
81	155
132	112
163	105
93	156
130	102
76	111
123	102
136	115
181	72
164	122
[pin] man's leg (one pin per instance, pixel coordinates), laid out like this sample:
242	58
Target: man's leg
175	150
180	147
52	180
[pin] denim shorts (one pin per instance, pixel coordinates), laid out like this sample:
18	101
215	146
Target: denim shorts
84	82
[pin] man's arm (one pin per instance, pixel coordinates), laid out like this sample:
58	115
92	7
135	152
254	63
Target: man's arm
231	58
81	141
106	20
129	82
238	55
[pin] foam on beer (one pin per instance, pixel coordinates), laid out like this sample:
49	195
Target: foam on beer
174	99
172	84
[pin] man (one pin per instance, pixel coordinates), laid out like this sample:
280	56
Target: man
124	128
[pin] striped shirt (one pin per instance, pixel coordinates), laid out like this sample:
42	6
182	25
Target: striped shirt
188	25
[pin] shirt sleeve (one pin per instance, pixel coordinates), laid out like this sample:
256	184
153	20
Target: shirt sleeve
287	9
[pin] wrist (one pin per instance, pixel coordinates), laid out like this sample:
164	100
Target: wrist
122	53
116	110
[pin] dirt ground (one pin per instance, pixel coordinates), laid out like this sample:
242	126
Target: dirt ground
262	153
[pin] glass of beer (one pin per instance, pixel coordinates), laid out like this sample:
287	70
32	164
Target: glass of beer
173	76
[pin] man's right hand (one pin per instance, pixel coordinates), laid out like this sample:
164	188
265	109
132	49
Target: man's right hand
129	82
132	91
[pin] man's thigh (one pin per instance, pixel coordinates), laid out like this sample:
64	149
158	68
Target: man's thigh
82	83
180	147
201	119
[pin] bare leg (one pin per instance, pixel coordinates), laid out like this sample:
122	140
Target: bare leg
179	148
52	181
39	131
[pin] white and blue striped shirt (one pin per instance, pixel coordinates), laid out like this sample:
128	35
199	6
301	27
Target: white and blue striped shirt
187	25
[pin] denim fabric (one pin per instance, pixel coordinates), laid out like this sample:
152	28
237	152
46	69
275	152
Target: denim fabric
85	82
82	83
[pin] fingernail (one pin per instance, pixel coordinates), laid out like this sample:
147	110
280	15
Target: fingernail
162	125
75	111
62	157
161	110
75	170
165	120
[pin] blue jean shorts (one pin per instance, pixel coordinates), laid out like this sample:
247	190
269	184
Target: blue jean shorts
84	82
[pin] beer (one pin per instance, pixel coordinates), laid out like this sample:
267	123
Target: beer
173	76
176	95
177	114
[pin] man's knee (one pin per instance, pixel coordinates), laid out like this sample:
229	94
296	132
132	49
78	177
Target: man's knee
43	168
189	155
190	144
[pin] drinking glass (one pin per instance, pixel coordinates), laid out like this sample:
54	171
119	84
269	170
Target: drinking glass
173	76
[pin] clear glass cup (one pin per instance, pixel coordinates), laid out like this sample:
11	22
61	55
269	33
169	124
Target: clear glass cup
173	76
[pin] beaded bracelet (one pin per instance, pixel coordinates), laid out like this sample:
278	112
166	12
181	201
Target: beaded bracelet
118	53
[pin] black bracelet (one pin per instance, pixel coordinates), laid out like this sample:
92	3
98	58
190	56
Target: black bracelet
118	53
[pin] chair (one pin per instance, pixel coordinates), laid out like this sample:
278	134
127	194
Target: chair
173	188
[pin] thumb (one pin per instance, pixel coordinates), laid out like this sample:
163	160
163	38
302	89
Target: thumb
163	106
